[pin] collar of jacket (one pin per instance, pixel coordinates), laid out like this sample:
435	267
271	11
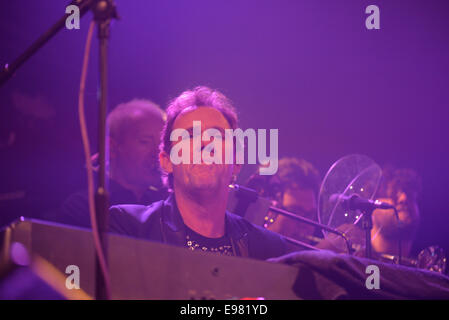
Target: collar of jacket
174	229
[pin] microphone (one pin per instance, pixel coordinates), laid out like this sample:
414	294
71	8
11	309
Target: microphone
354	202
245	192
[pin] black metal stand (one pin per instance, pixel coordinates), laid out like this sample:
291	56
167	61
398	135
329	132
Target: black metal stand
104	11
315	224
367	225
247	195
10	68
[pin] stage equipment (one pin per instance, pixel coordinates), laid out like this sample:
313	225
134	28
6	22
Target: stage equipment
104	11
256	209
141	269
346	195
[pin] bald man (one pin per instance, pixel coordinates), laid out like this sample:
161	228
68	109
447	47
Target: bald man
133	168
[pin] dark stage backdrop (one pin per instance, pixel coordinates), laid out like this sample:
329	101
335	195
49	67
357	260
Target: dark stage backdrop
309	68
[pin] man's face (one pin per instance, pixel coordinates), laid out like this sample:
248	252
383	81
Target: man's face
200	177
301	201
135	151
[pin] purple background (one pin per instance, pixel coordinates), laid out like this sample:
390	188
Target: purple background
309	68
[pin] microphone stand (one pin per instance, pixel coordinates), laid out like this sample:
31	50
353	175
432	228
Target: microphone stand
367	225
251	195
9	69
104	11
367	207
316	224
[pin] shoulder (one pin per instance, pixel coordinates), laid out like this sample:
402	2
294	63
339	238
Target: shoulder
74	210
140	213
129	219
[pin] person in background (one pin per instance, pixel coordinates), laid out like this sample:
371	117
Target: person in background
402	188
133	168
294	188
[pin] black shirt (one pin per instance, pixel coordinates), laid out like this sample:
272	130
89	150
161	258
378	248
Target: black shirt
195	241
